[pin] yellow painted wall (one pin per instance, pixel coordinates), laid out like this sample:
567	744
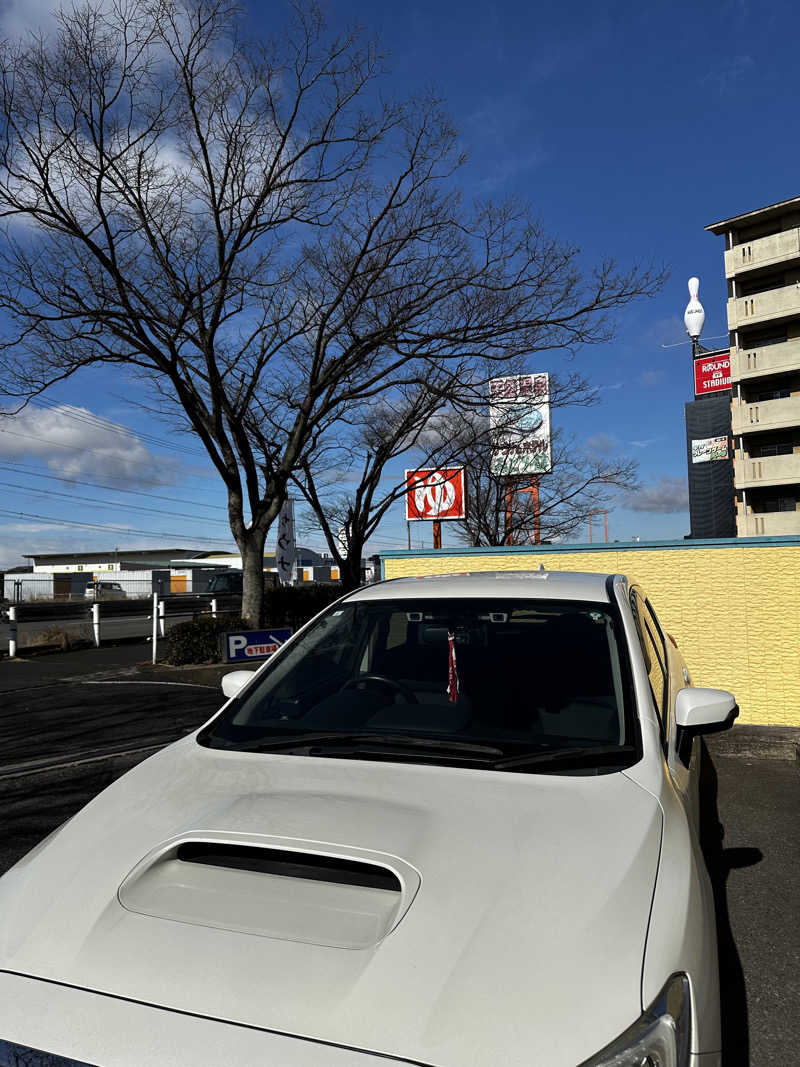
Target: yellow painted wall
734	610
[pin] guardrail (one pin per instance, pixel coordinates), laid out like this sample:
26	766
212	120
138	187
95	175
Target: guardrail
156	610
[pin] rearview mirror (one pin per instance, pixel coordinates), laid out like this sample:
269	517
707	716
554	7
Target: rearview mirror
235	681
705	711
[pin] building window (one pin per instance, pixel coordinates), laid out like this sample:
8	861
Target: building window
765	342
774	394
778	503
782	448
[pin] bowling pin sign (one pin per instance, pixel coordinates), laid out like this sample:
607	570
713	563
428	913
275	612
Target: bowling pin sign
694	317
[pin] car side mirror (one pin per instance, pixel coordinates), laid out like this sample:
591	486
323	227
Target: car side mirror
235	681
705	711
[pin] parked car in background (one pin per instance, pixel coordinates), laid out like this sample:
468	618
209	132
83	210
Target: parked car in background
105	591
231	582
453	822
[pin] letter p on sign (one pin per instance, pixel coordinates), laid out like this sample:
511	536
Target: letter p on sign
236	644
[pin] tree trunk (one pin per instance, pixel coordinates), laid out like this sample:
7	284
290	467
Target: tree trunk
350	571
252	549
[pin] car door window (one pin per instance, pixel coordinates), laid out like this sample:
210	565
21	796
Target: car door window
654	655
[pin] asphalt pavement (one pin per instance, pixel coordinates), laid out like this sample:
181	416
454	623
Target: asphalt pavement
72	723
754	868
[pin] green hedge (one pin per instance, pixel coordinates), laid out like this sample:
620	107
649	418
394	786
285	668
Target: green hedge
198	641
293	605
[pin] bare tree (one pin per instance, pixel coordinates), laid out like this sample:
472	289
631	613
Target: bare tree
263	245
349	489
578	483
357	479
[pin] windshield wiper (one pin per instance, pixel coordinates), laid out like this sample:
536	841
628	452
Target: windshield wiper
577	756
395	741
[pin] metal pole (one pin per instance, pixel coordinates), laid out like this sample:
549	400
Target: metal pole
12	632
537	525
96	624
437	534
590	526
509	537
162	623
155	626
605	525
408	525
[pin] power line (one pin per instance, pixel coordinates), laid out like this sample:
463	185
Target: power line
54	444
21	468
114	504
109	529
88	418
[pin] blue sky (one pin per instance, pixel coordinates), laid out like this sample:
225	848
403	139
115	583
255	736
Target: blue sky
628	128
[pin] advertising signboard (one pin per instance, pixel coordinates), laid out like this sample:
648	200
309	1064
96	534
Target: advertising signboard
285	549
712	372
519	422
435	493
707	449
245	645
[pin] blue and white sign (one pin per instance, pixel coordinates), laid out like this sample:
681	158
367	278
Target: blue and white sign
253	644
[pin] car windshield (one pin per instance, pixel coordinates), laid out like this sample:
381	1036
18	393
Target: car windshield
511	677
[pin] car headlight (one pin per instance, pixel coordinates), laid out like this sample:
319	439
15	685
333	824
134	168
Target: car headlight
660	1037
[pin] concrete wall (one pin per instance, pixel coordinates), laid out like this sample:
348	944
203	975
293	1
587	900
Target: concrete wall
733	605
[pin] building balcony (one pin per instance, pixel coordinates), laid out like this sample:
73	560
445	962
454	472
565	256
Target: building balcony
779	303
766	471
765	415
771	359
765	252
768	524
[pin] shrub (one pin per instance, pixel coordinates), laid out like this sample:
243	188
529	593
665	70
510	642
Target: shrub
294	605
198	640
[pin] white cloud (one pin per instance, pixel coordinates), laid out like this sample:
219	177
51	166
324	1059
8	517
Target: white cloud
18	17
666	496
602	444
75	443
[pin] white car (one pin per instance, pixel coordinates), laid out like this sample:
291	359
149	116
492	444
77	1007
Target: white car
452	823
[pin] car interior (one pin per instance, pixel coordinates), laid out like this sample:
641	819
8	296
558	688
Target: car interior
522	673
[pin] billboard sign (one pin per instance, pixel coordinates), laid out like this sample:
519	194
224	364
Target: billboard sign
247	645
519	424
712	373
435	493
707	449
285	549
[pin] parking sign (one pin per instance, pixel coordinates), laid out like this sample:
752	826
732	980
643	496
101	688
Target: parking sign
246	645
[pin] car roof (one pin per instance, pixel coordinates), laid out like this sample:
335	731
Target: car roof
539	585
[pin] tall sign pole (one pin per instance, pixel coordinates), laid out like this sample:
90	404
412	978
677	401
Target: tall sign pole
694	317
436	494
519	419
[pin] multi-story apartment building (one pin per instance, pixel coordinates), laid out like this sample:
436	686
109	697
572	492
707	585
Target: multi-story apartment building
762	268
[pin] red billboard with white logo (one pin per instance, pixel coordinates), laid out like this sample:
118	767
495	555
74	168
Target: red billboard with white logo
712	372
435	493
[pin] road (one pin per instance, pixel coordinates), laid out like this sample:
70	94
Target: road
64	740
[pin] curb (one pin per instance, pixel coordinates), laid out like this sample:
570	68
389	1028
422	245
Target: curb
757	742
209	674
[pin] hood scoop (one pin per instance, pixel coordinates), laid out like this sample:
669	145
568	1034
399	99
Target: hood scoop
274	887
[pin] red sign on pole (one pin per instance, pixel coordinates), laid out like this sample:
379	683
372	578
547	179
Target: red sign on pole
712	373
435	493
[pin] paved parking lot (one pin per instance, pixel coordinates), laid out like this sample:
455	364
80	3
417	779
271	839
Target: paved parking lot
65	736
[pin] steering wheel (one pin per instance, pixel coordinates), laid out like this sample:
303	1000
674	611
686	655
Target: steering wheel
381	679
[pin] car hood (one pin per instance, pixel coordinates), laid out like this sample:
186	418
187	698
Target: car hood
516	935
